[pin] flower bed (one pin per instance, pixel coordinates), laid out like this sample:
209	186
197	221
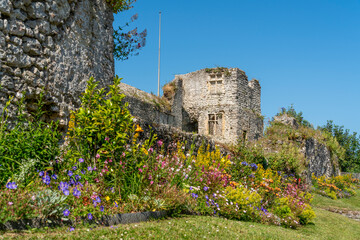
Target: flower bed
104	170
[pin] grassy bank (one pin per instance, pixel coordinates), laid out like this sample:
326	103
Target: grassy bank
327	225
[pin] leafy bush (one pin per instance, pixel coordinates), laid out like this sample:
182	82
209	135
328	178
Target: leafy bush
28	145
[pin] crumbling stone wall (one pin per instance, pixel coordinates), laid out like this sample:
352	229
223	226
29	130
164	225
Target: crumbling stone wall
147	106
56	45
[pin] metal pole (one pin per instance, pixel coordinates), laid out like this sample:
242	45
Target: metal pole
158	93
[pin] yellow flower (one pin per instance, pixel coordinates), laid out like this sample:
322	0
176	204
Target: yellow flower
138	129
107	198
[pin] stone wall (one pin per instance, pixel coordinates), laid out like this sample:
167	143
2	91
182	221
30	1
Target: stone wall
56	45
319	159
147	106
170	135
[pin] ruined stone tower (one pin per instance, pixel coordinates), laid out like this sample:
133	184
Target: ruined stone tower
220	103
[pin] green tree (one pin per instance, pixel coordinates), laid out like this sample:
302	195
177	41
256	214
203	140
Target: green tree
350	142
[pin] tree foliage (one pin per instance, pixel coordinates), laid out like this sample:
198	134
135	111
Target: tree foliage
128	43
350	142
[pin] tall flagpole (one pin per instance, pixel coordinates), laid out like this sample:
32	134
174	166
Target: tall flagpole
158	93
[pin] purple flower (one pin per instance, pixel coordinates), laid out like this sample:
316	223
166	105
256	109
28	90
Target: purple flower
206	188
97	199
254	166
244	163
41	173
83	171
81	160
11	185
90	216
66	192
206	197
54	176
77	177
66	212
76	192
63	186
74	168
116	205
102	208
89	168
46	180
72	182
71	229
252	175
70	173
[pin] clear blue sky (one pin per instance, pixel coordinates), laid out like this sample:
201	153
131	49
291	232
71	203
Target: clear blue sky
303	52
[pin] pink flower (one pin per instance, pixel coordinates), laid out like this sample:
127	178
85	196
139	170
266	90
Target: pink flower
110	160
150	177
160	143
150	150
10	203
107	139
140	170
96	180
151	183
123	154
162	164
97	156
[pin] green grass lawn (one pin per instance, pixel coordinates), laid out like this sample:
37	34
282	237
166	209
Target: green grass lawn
327	225
352	203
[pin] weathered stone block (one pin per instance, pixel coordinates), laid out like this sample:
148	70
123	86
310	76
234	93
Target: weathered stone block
37	10
5	7
17	28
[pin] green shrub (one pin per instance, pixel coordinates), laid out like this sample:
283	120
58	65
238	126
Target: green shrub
28	145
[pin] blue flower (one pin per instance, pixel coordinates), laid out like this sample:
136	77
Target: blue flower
97	199
74	168
116	205
206	197
90	216
54	176
71	229
102	208
77	177
46	180
70	173
66	212
89	168
191	188
76	192
66	192
252	175
41	173
11	185
81	160
72	182
244	163
63	186
254	166
83	171
206	188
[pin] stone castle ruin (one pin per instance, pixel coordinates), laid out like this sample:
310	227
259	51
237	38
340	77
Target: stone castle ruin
56	45
219	103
